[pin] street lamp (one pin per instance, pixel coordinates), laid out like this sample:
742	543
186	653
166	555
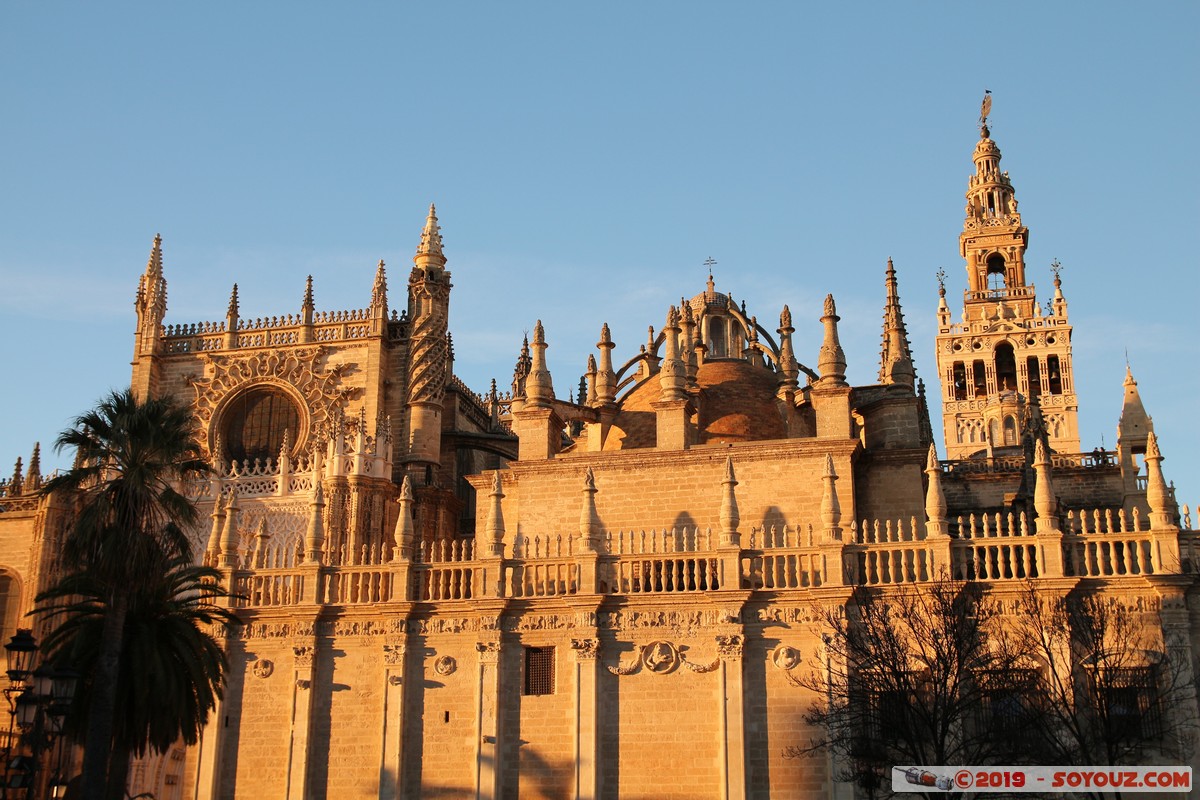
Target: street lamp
38	701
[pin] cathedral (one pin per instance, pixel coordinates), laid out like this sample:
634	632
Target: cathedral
448	593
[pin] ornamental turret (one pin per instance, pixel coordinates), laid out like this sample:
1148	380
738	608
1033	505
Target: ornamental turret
428	362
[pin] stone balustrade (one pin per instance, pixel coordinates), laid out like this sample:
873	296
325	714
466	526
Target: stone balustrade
990	547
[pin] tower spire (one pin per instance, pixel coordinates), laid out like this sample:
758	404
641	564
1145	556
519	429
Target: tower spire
896	364
429	250
379	301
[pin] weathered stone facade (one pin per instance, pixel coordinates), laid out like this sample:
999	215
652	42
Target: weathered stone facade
444	594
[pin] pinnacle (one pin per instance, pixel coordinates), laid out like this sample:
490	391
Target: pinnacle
431	236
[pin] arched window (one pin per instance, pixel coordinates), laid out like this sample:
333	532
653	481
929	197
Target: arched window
1054	374
997	276
10	605
1006	367
253	425
958	374
1033	370
716	337
1010	431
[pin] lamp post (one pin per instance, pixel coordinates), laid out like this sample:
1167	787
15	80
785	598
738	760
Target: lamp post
38	700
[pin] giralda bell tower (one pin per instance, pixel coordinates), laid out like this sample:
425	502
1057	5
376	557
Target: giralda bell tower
1006	367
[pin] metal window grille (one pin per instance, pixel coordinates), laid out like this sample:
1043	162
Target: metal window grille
1131	704
539	670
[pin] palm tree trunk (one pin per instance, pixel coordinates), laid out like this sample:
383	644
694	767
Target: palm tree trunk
98	743
118	771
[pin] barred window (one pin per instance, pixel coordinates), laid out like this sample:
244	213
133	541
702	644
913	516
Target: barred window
1129	696
254	424
1006	697
539	670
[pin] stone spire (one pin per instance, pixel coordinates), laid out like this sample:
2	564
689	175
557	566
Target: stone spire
521	370
213	550
229	538
1045	503
402	536
831	507
539	388
307	308
673	374
16	482
314	535
429	251
589	519
151	300
606	378
895	363
262	538
1158	496
935	497
494	539
379	301
33	476
1134	424
730	518
832	360
789	368
231	312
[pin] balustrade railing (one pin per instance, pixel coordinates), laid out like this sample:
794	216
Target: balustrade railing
993	546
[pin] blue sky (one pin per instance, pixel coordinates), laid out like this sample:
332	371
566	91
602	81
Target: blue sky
585	160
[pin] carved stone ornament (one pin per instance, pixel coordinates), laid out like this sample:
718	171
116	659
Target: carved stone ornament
489	652
294	370
304	655
585	649
393	654
785	657
263	668
302	683
729	647
445	665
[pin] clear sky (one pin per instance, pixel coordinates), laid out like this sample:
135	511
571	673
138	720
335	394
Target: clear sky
586	159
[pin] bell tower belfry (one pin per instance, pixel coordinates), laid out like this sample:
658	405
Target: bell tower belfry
1006	367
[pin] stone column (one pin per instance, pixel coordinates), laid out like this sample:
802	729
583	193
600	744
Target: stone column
297	781
587	714
487	721
733	724
392	761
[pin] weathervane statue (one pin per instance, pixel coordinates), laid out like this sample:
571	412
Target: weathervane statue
984	109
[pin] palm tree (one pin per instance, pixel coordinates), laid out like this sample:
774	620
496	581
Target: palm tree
172	668
130	518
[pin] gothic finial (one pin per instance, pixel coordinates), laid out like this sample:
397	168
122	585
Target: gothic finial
895	365
941	279
539	389
832	360
431	236
379	290
307	303
232	311
33	477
